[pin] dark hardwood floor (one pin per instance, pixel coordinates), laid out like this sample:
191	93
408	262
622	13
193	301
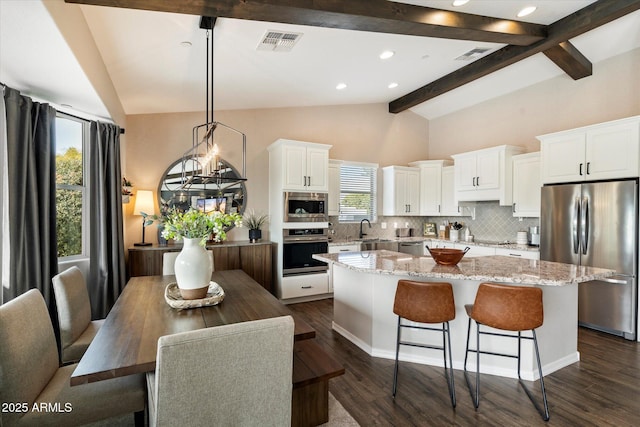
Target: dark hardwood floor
603	389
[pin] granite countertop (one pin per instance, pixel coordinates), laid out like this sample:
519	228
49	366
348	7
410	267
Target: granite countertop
494	268
491	244
435	241
355	241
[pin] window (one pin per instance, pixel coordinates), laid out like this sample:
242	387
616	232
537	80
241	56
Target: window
358	186
71	186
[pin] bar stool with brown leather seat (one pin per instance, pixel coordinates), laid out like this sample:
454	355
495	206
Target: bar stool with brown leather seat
425	302
509	308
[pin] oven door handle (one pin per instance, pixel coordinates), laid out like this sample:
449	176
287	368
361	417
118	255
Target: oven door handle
304	240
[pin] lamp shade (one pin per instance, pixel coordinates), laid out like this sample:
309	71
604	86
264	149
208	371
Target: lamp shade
144	203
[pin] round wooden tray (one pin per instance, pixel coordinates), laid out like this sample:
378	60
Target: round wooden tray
215	295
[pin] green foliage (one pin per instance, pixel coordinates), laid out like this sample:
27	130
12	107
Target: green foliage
69	203
194	224
255	221
69	167
357	201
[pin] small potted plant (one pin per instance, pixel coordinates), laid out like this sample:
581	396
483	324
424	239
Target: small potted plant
127	186
254	222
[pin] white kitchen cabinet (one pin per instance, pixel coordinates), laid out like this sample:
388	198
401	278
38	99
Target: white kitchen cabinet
401	192
335	249
333	198
304	165
518	253
431	191
450	205
526	185
485	174
608	150
304	285
475	251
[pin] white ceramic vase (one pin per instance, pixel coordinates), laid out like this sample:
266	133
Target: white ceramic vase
193	270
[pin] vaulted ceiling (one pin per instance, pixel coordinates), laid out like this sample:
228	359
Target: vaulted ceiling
140	43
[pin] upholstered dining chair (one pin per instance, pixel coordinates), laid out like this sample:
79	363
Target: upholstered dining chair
237	374
30	375
169	262
74	314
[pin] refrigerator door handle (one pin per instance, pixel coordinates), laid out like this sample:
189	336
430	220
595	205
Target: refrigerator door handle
575	231
615	281
584	225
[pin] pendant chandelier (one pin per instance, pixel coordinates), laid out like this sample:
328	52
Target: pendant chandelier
201	164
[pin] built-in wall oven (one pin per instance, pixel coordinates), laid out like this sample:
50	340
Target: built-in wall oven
298	247
305	207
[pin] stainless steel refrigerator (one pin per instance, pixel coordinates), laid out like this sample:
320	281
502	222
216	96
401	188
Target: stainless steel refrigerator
596	224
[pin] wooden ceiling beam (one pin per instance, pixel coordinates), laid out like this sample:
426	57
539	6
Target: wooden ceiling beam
582	21
571	60
379	16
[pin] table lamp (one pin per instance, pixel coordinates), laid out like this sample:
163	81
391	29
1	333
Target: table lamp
144	203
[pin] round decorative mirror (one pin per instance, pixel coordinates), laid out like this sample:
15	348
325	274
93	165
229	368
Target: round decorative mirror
224	192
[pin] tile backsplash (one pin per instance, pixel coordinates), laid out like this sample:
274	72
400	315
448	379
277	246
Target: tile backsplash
492	222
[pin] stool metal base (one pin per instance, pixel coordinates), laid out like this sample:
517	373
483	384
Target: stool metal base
475	397
446	345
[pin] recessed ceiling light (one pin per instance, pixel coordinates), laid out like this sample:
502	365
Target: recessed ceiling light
341	86
392	85
526	11
387	54
459	2
185	44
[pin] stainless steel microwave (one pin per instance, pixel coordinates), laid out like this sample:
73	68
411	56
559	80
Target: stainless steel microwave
305	207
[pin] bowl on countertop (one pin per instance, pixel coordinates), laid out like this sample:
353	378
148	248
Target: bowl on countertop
447	256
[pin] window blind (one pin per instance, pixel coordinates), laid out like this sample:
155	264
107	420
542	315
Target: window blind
358	187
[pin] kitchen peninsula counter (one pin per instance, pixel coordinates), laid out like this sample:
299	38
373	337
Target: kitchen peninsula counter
496	268
364	285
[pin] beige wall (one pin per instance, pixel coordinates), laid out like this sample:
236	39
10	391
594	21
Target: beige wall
612	92
366	133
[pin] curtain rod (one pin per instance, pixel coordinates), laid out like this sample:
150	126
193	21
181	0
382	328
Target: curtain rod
122	131
82	118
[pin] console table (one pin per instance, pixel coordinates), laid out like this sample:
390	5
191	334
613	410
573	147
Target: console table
255	259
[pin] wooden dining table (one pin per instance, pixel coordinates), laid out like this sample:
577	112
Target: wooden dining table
127	341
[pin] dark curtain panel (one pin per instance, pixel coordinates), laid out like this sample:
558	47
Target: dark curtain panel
107	271
32	189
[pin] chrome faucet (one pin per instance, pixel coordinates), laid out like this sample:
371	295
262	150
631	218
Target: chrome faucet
361	222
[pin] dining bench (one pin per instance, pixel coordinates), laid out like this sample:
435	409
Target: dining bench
312	370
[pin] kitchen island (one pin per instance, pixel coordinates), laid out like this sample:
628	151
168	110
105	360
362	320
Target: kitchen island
364	285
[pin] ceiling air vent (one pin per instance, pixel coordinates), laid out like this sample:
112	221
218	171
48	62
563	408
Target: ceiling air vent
278	41
473	54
